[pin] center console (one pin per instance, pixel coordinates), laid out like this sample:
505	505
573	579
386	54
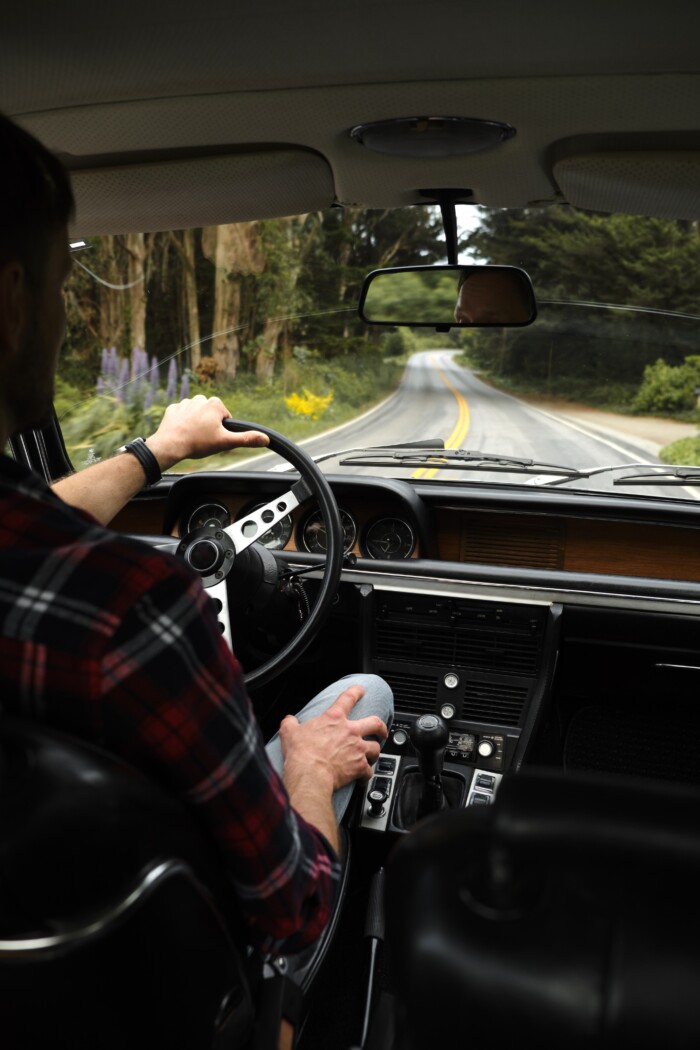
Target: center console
480	668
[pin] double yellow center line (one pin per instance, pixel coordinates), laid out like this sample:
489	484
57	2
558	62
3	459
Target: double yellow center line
458	434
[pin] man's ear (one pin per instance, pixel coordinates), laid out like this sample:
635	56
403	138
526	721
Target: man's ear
13	306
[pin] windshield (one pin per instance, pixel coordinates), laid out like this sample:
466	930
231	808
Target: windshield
264	315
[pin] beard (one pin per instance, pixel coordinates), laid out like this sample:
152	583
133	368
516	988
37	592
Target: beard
30	385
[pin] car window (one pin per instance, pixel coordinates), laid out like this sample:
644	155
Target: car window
264	315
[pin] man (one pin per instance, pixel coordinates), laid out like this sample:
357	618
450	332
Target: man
493	296
105	638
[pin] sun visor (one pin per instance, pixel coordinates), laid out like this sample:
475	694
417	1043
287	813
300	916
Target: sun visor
663	183
200	191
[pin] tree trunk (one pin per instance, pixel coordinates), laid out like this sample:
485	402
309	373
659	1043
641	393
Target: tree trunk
235	251
267	349
136	248
111	300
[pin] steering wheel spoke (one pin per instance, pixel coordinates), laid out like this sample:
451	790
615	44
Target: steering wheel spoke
255	524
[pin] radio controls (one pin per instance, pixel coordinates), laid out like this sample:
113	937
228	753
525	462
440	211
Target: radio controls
451	680
486	748
447	711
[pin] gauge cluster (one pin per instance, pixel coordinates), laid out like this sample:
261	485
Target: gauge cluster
371	534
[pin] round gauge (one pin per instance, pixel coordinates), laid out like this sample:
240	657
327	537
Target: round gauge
277	537
390	538
313	532
208	514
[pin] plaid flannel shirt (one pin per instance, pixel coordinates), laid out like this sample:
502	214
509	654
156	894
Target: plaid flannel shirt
109	640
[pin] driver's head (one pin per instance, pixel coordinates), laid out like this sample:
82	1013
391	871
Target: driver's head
491	297
36	205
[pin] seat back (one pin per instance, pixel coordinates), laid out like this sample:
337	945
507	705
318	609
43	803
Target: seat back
565	914
116	926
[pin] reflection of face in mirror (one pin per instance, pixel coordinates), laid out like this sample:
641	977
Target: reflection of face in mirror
492	297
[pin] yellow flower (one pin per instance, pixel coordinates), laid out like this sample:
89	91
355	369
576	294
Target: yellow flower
308	404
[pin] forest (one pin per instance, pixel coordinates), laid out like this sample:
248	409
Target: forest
265	315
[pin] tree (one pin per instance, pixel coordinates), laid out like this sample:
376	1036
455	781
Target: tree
603	259
235	251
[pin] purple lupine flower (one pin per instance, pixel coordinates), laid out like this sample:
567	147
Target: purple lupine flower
185	386
148	399
104	363
113	363
172	381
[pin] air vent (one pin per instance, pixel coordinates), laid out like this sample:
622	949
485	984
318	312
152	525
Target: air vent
414	694
503	652
494	702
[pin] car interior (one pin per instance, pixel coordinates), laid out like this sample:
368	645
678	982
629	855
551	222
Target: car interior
523	863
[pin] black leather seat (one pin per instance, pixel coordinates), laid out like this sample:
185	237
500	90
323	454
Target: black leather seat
117	928
567	914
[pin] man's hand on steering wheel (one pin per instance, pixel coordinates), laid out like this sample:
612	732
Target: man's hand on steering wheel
192	429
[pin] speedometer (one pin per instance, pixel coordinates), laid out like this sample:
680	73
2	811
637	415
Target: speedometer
313	532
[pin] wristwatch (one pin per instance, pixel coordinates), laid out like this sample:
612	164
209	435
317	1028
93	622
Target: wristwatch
148	461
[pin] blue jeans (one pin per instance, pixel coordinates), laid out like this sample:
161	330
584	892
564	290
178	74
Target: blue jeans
378	700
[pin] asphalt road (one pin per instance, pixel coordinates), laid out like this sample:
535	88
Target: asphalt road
439	399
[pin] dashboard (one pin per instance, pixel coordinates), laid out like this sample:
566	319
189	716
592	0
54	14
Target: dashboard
391	520
556	627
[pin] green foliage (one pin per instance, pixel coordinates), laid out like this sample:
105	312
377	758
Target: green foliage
686	451
101	424
583	259
668	389
96	425
399	343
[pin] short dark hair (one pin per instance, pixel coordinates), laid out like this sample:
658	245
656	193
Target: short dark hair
465	272
36	198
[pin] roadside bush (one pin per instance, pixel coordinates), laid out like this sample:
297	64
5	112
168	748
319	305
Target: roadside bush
667	388
399	343
686	450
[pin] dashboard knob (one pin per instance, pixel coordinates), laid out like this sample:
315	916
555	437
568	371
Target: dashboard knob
486	748
400	736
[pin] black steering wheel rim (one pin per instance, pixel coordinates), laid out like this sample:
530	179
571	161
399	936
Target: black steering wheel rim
316	482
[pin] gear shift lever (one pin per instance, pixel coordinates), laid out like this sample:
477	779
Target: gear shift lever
429	737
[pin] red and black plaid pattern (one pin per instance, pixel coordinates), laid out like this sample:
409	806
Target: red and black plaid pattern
105	638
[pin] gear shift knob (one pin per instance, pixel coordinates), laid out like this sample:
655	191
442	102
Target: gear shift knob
429	736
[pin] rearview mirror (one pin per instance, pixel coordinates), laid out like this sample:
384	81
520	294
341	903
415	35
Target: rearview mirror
445	297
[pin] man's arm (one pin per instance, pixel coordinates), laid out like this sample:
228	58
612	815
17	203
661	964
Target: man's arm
190	429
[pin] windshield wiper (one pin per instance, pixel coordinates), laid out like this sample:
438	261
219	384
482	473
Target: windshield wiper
668	475
434	455
428	443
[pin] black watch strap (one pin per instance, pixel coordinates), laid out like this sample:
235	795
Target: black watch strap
148	461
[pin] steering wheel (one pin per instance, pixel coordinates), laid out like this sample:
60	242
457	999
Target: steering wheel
212	551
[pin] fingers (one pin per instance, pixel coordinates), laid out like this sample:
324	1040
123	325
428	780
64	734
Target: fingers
248	438
348	698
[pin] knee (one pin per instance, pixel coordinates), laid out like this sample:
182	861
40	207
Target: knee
378	698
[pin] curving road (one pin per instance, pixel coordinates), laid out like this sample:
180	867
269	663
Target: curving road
439	399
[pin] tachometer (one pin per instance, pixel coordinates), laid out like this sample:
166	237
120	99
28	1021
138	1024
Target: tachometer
313	532
390	538
276	538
